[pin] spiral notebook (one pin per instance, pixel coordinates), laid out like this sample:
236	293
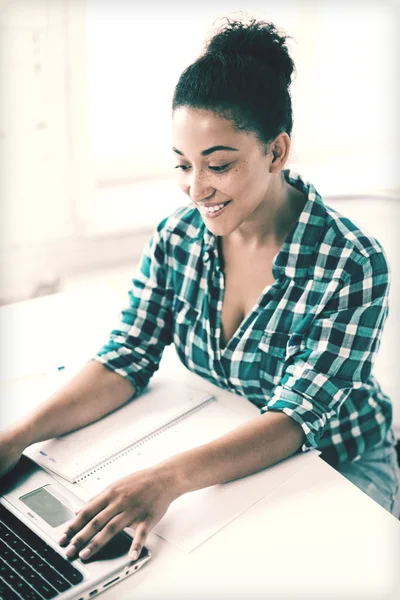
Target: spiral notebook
144	422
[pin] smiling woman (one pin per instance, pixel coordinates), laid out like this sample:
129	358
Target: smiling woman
264	290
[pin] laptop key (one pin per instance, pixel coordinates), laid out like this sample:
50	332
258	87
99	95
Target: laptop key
61	565
13	560
41	586
13	541
53	577
17	544
32	595
59	583
33	559
6	592
5	551
5	533
34	550
47	573
21	573
15	582
4	569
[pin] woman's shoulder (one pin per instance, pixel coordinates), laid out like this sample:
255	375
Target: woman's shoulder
336	228
347	232
337	246
357	253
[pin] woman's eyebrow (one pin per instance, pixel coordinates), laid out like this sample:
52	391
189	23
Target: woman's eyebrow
209	150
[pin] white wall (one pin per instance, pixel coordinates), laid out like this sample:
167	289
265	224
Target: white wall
85	118
36	203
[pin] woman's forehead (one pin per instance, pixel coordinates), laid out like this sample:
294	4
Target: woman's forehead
198	129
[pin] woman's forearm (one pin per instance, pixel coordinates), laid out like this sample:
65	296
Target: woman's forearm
92	393
251	447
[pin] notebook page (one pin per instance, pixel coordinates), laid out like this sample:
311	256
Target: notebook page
198	428
76	453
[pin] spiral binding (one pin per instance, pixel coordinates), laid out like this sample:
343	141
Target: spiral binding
145	439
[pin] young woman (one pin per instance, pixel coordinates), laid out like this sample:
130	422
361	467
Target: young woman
264	291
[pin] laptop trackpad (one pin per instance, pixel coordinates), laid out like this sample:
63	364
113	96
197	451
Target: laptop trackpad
44	503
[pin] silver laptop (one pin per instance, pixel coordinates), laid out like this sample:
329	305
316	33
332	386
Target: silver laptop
34	508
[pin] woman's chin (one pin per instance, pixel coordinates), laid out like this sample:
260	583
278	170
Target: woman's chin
219	229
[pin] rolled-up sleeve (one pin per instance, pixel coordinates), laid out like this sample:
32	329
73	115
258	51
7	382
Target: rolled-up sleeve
135	346
336	349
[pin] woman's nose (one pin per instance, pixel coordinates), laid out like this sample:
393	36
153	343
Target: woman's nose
200	188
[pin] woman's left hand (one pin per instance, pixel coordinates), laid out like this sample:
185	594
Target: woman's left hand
139	501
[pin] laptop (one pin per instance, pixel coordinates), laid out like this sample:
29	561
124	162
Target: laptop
34	508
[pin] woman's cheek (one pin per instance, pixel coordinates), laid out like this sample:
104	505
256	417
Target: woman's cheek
237	184
183	184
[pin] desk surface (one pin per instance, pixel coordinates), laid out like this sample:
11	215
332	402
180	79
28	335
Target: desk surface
315	536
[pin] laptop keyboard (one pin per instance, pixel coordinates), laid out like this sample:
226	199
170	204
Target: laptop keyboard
29	568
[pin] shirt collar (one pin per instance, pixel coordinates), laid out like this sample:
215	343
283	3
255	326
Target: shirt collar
209	243
295	256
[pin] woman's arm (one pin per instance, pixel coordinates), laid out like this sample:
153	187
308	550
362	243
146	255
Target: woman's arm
92	393
141	499
253	446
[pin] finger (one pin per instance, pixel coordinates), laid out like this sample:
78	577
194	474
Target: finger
84	516
141	533
111	529
96	524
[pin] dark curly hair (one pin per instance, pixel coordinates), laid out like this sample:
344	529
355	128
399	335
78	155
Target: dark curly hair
244	75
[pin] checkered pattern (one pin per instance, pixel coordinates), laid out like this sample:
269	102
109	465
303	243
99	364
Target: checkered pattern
307	348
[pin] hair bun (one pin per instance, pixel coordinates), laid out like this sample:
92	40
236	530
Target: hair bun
258	39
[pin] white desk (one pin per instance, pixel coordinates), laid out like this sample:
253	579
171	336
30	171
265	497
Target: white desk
315	536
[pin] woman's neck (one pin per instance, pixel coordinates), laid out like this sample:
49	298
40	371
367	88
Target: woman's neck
273	220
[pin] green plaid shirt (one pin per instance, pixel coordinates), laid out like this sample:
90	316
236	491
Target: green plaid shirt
307	348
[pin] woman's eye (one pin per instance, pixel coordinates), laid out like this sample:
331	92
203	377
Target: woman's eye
220	168
182	167
216	169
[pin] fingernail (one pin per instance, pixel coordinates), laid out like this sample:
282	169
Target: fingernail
133	554
63	539
85	553
70	551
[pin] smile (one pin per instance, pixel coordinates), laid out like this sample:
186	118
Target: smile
215	210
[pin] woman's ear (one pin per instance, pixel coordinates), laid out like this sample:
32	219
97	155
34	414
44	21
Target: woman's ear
280	149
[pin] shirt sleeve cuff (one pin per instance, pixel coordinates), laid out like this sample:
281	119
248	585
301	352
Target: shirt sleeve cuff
135	378
300	409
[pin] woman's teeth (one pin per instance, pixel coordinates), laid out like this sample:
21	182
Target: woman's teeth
210	210
215	208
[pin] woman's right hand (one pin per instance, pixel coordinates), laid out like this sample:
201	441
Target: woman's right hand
11	448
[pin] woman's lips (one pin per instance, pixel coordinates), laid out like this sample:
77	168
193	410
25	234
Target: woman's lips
211	212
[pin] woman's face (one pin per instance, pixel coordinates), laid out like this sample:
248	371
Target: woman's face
226	173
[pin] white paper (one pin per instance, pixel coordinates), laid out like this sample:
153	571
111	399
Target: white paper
79	452
195	517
